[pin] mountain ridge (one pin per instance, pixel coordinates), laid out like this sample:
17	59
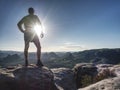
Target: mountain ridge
67	59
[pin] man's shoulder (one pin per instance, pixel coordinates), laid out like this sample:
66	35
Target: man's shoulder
35	16
25	16
30	17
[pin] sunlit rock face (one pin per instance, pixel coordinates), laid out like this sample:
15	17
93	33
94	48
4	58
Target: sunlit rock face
107	84
30	78
115	70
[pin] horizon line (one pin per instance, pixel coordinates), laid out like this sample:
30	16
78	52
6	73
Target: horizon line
59	51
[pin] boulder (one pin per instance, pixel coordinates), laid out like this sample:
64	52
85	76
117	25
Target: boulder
103	71
84	74
115	70
64	78
30	78
108	76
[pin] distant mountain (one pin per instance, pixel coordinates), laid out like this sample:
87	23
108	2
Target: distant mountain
2	55
10	60
96	56
65	59
10	52
110	56
49	56
68	56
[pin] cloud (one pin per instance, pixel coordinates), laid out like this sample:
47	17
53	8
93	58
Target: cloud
73	47
67	46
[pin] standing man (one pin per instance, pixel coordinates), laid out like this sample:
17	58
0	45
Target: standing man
30	35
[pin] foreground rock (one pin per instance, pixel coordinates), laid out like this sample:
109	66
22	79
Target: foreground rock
31	78
106	76
115	70
85	74
82	75
64	79
107	84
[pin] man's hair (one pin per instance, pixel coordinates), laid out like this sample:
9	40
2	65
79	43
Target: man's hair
31	10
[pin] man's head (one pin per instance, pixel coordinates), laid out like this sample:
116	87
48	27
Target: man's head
31	10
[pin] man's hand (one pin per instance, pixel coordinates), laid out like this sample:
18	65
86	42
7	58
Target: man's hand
42	35
20	27
23	31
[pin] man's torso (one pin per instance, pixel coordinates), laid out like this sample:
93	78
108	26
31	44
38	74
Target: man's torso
29	23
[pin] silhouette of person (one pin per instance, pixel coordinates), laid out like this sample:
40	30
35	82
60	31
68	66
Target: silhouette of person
30	35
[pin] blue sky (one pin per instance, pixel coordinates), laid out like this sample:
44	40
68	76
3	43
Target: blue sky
70	25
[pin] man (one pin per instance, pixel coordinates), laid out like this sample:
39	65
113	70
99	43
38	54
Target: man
30	35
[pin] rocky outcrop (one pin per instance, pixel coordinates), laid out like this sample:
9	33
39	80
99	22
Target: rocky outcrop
104	71
115	70
30	78
107	74
84	74
88	75
107	84
64	78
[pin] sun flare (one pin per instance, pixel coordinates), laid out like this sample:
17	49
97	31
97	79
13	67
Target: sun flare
39	29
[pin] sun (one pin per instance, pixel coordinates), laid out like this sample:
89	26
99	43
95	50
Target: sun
39	29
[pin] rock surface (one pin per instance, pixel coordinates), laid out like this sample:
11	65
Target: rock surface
64	78
115	70
84	74
30	78
108	76
107	84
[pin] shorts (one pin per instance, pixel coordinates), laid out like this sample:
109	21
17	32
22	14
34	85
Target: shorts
30	36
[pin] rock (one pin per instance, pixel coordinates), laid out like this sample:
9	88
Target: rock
115	70
109	74
64	78
30	78
104	65
107	84
84	74
104	71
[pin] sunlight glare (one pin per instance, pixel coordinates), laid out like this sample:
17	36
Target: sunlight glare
39	29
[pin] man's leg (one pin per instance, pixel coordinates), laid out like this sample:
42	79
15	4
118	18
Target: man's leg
37	44
26	53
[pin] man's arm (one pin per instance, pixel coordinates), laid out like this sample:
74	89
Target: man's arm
20	25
